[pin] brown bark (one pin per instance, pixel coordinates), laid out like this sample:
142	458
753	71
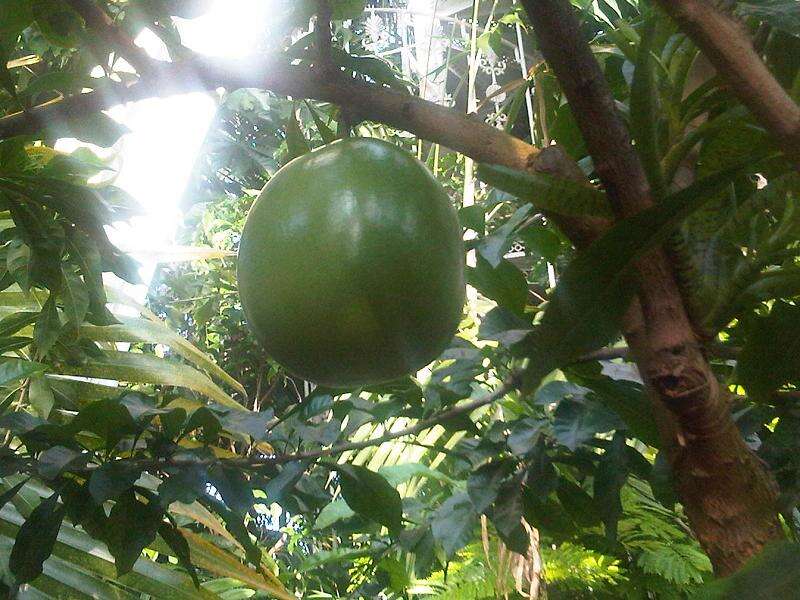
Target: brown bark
728	495
727	45
455	130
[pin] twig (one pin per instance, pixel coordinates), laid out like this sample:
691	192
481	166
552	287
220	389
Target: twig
255	463
729	48
510	384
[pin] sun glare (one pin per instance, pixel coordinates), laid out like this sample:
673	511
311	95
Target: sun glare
155	159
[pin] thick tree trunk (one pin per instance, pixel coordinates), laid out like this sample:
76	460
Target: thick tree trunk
729	497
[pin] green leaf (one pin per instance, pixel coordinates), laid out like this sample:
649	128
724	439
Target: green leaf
596	288
545	192
774	573
54	460
35	540
131	527
371	496
484	483
577	421
611	475
75	297
504	283
454	522
11	492
9	344
333	512
180	547
325	132
15	15
506	515
644	109
145	368
96	128
295	139
47	329
106	418
40	395
14	322
156	332
497	243
764	365
112	479
13	369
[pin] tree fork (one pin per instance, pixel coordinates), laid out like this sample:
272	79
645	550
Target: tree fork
729	497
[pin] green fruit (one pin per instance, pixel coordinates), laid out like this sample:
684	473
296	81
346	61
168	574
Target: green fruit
351	265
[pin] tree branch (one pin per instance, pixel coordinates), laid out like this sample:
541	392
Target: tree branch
459	132
254	463
729	48
101	24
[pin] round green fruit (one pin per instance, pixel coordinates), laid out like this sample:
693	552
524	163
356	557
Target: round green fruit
351	265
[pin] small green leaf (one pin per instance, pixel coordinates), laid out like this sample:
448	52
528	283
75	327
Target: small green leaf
295	139
333	512
576	421
175	540
47	329
40	395
503	283
75	297
35	540
371	496
13	369
496	244
112	479
54	460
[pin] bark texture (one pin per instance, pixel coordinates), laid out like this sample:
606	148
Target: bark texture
729	497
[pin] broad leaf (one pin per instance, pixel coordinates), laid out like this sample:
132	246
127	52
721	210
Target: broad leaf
35	540
371	496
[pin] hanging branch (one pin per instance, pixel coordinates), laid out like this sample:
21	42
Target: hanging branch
729	48
729	496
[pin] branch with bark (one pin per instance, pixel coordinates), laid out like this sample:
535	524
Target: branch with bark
729	497
728	46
